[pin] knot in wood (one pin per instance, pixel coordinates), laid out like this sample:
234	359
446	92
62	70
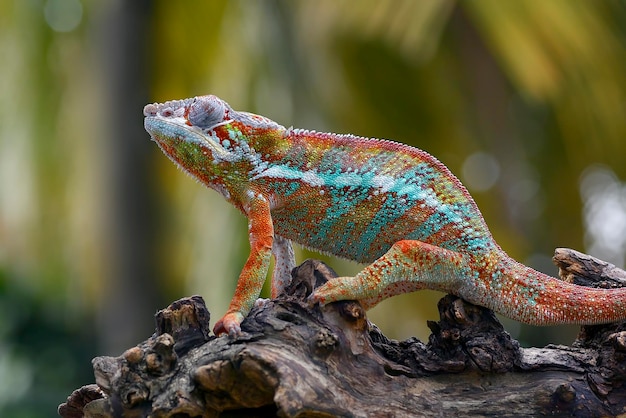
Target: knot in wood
187	321
482	358
352	311
133	355
134	394
564	393
619	340
161	358
325	340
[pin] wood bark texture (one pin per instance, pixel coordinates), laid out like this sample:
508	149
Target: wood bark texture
298	360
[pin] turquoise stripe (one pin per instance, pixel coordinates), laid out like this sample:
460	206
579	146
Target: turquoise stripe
409	190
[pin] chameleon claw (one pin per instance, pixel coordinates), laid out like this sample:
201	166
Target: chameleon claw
311	301
332	291
229	324
316	299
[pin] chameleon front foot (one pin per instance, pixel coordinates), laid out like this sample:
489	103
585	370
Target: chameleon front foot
229	324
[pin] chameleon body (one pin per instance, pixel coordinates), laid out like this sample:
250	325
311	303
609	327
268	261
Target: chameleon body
394	207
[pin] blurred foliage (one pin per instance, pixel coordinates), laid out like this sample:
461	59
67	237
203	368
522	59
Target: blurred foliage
44	352
521	99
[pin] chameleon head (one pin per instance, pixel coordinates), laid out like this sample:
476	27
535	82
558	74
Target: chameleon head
184	129
203	129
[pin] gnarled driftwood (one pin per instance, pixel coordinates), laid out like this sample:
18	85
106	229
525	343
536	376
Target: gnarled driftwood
297	360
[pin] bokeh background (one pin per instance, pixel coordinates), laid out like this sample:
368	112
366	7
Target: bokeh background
525	100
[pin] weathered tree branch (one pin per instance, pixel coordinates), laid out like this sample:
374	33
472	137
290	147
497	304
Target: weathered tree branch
297	360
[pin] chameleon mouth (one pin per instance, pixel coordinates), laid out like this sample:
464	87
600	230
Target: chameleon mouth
163	120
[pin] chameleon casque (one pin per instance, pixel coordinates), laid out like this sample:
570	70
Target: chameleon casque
391	206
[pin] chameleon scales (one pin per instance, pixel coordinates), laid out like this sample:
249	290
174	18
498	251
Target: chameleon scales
393	207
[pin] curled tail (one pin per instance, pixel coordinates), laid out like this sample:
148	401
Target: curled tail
529	296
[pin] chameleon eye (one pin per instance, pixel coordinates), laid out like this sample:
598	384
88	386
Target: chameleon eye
206	111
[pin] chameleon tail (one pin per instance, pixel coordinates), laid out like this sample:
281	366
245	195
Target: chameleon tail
535	298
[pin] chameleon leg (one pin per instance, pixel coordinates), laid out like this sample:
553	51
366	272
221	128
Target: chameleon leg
254	272
406	267
285	261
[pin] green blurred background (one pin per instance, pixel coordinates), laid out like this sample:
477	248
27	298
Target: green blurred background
525	100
